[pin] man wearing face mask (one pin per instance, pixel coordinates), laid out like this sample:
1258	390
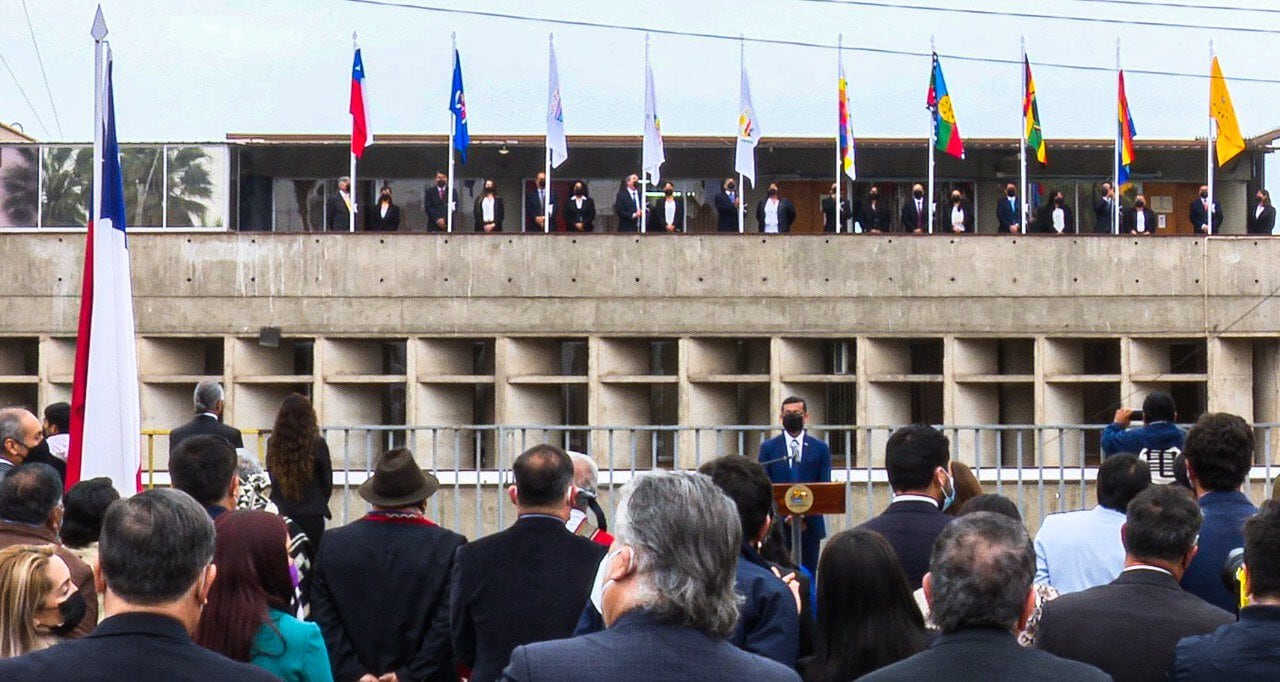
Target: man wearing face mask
915	211
1104	210
775	214
918	461
20	434
488	209
629	204
829	224
1200	213
667	213
1009	211
438	203
535	205
155	570
728	202
876	217
31	514
796	457
580	211
1139	219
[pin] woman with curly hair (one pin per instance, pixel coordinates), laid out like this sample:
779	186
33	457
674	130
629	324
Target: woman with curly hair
299	465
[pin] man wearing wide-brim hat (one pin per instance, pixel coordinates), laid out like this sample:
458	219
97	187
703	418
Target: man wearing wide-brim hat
380	590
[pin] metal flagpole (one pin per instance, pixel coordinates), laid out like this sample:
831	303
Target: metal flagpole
742	189
933	141
839	136
644	158
99	66
351	189
1115	178
1209	144
546	197
1022	148
453	125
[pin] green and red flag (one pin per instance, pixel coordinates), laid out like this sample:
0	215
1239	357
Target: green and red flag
946	132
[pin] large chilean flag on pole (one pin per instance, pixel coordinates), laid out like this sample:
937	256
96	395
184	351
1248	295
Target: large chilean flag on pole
361	137
105	413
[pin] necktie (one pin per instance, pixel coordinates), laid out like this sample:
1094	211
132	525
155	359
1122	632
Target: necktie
542	197
919	213
795	453
441	192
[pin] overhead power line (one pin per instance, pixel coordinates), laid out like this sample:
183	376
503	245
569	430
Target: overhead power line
1181	5
31	29
23	92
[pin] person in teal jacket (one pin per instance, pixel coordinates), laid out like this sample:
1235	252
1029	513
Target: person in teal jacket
248	615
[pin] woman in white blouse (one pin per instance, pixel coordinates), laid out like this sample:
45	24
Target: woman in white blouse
667	213
489	209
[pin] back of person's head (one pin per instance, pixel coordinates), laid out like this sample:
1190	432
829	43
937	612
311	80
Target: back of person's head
59	416
543	476
25	584
980	573
967	487
1180	476
1159	407
585	475
30	494
991	502
203	467
867	618
1262	552
253	576
1120	479
155	546
686	537
291	450
1162	524
912	454
208	396
86	504
1219	451
747	484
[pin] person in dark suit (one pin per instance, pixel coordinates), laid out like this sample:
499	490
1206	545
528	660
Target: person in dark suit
1144	612
958	216
338	207
380	585
20	435
209	402
385	216
829	213
1104	210
438	203
918	461
728	203
580	210
980	593
154	564
1009	212
794	456
775	214
915	211
528	583
488	209
1245	650
1200	213
1138	219
667	214
875	215
534	208
628	204
666	594
1263	219
1056	216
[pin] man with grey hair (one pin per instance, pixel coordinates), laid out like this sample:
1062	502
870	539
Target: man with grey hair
155	569
980	594
338	207
666	591
20	433
585	474
209	399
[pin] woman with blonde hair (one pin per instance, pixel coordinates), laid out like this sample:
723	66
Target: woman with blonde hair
38	602
300	467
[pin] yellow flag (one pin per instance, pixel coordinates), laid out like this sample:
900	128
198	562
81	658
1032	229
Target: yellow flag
1230	142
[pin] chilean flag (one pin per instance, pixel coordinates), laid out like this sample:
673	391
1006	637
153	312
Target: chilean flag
105	412
360	135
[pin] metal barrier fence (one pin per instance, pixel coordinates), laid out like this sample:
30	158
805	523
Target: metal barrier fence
1042	468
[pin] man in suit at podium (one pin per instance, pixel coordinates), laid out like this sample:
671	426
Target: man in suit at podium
796	457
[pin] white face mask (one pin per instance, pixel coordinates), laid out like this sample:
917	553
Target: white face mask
599	584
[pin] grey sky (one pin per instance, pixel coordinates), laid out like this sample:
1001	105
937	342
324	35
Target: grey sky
197	70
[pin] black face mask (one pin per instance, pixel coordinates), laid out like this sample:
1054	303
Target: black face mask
441	183
1010	193
577	191
875	195
793	422
669	192
1138	204
918	194
1058	200
542	184
773	192
72	611
1204	195
955	199
729	187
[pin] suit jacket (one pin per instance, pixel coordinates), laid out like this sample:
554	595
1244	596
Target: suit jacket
1140	616
768	624
1263	223
131	647
625	208
205	425
829	214
585	215
986	654
913	219
876	217
437	207
1129	220
814	467
1240	651
786	214
316	494
658	216
1222	531
1199	216
526	584
639	647
911	526
12	533
1007	215
1044	224
498	214
380	594
726	212
533	209
1102	212
40	453
944	218
374	222
339	216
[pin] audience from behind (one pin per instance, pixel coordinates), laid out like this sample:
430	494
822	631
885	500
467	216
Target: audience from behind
1158	441
254	492
38	602
967	488
85	506
775	553
300	468
528	583
769	620
666	592
1245	650
990	502
31	514
155	568
20	433
979	589
1180	472
866	616
380	585
209	403
585	473
918	461
247	618
1143	613
204	467
1077	550
1219	453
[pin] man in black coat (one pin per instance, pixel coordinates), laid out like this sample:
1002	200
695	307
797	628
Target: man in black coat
829	213
1142	614
775	214
915	211
1009	212
533	206
338	207
1104	211
1263	218
528	583
876	218
437	203
154	562
728	203
209	400
1200	213
628	204
380	585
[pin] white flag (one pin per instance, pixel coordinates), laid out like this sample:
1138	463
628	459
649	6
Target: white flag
557	143
654	156
748	133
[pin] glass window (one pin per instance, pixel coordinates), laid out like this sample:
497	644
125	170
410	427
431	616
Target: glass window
143	171
298	204
197	192
68	177
19	186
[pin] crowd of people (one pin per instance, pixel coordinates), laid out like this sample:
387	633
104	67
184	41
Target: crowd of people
231	574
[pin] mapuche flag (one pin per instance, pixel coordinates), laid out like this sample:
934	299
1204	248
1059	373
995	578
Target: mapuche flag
946	132
1031	113
1125	133
361	136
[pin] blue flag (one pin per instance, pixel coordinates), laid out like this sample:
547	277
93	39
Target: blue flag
458	105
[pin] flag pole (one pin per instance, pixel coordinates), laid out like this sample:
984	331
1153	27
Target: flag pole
1209	142
839	138
546	198
933	139
453	124
99	66
644	157
351	215
1022	148
1115	177
742	189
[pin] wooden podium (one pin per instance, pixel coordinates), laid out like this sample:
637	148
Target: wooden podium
797	500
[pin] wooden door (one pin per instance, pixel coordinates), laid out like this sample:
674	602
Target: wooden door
1172	201
806	196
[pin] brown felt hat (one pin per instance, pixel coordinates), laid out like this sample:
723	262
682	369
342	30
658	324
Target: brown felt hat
397	481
